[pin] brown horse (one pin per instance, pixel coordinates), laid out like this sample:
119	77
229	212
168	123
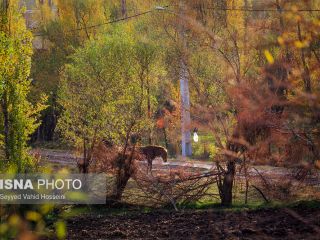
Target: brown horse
152	152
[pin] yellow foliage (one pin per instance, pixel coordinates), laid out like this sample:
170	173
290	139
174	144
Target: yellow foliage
269	57
3	228
33	216
14	220
236	18
301	44
61	229
281	41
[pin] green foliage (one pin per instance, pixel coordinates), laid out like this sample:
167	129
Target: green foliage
22	222
100	91
18	115
208	88
205	148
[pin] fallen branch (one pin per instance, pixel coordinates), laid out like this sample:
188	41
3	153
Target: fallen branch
262	194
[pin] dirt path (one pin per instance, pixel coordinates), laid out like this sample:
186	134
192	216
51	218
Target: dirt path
65	158
58	157
261	224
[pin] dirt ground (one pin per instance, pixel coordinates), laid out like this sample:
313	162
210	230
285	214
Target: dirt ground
298	223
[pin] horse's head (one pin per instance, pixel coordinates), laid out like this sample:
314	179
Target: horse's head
164	155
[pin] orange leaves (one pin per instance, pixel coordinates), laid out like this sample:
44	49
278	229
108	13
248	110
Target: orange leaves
160	123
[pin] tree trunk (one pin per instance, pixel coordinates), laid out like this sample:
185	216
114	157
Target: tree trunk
6	124
84	164
306	72
124	169
124	8
283	29
149	112
226	188
124	173
123	177
165	137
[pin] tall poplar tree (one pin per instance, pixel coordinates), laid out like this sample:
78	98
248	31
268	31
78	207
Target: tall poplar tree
18	116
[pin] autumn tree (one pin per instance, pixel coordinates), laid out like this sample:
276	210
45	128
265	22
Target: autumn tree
60	27
265	121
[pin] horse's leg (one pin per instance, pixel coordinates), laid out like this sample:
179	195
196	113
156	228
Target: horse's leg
149	166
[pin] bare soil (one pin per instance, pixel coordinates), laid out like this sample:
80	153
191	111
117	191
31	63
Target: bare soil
297	223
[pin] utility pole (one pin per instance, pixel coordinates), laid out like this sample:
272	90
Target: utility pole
184	90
